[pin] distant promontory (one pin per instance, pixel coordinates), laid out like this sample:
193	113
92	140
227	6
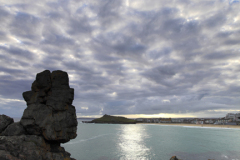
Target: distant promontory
112	120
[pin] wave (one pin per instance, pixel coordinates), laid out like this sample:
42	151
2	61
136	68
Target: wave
209	127
194	126
163	125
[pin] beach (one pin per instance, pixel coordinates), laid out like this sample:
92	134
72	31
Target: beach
195	125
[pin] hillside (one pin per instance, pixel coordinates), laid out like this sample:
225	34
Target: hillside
113	120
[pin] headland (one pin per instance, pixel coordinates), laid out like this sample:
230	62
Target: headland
112	120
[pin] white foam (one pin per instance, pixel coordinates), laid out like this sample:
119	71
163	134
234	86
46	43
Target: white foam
194	126
209	127
163	125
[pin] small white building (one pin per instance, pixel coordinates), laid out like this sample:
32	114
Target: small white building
165	120
194	121
149	120
139	120
231	117
223	120
177	120
200	121
237	117
209	121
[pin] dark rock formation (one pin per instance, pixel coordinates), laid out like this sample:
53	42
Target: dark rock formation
49	112
174	158
4	122
48	120
30	147
14	129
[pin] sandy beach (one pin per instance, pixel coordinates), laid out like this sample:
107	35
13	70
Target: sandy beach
196	125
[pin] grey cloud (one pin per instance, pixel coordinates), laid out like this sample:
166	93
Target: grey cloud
14	108
25	25
56	39
221	55
7	60
125	59
124	45
232	42
3	36
17	52
162	74
216	20
164	52
76	65
79	26
4	14
13	88
108	12
56	16
102	57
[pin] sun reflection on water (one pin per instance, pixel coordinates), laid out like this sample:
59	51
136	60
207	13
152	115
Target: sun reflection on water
132	143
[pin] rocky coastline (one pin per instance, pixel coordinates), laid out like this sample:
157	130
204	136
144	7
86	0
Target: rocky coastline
49	120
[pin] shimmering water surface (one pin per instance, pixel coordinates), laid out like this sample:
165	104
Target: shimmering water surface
154	142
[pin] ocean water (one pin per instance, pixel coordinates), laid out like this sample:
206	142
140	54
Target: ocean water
153	142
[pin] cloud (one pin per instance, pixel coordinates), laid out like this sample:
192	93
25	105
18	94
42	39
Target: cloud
125	58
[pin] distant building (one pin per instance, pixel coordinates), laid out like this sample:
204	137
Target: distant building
223	120
231	117
177	120
200	121
149	120
165	120
156	120
237	118
145	120
209	121
194	121
187	120
139	119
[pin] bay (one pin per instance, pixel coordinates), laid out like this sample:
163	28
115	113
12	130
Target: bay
153	142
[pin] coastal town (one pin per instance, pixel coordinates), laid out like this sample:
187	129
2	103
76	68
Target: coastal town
229	119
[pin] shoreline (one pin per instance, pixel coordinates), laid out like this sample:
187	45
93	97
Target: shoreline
195	125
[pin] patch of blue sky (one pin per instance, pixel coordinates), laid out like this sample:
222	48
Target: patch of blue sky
82	7
233	1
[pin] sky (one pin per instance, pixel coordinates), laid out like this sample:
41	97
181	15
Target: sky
137	58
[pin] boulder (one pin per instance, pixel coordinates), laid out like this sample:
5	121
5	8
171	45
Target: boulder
174	158
30	147
42	82
14	129
4	122
59	79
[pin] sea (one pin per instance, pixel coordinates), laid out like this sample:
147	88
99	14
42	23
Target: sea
152	142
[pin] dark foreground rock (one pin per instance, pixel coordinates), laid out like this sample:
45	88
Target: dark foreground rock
14	129
4	122
174	158
50	112
48	120
30	147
